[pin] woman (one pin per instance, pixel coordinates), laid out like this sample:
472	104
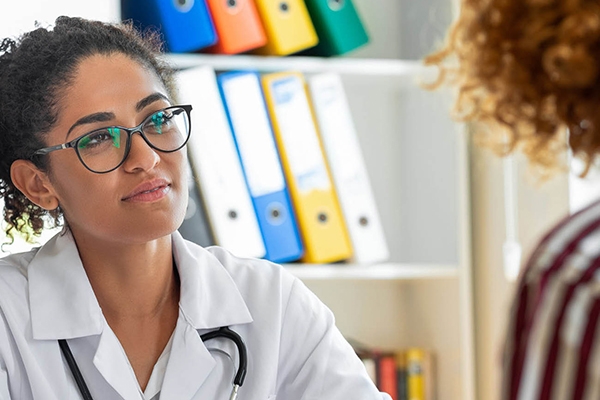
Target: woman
530	69
124	294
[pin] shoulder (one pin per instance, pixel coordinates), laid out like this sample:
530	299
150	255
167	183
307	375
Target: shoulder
14	271
270	281
14	294
252	274
263	285
574	239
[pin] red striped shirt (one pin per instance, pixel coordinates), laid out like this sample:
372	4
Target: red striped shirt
552	336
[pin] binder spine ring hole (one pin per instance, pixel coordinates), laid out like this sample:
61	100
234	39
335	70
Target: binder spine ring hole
284	6
232	214
363	221
322	217
276	214
336	5
184	5
232	6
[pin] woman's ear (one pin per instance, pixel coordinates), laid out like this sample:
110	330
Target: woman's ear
34	184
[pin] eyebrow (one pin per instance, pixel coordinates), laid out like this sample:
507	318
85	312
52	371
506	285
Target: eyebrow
107	116
146	101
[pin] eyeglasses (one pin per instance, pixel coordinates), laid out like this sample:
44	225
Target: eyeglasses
104	150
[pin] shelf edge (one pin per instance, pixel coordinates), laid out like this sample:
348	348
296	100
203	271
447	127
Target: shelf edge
356	66
385	271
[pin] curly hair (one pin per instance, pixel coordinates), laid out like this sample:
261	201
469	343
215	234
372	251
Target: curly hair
529	69
35	70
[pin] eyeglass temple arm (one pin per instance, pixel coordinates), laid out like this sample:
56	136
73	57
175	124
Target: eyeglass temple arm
50	149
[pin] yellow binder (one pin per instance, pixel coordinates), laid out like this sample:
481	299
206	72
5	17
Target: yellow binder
319	215
288	27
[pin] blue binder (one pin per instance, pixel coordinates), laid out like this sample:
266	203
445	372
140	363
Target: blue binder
186	25
251	127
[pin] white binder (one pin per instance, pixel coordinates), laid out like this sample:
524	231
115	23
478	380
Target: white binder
214	157
347	166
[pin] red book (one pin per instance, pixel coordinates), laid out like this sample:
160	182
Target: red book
387	377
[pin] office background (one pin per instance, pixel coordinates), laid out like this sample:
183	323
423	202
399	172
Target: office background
441	199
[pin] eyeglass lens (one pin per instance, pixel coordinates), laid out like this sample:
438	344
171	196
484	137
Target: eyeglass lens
104	149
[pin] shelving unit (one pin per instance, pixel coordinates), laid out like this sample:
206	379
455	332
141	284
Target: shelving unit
417	161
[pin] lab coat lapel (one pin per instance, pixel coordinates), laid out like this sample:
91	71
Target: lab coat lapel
209	296
189	365
111	361
209	299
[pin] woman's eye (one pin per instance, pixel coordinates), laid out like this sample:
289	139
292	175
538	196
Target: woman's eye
159	122
103	137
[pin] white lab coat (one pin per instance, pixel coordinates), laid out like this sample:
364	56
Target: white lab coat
295	352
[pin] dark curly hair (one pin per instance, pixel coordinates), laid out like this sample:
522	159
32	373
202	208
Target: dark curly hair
532	69
35	70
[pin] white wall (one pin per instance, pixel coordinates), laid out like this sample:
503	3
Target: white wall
540	206
20	16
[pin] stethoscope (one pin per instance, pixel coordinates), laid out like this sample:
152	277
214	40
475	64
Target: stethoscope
223	332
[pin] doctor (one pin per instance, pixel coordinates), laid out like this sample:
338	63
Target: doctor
89	134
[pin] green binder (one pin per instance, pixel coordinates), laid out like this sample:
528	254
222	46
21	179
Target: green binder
338	26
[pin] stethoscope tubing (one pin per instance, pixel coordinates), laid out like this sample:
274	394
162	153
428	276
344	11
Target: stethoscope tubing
224	331
66	350
241	347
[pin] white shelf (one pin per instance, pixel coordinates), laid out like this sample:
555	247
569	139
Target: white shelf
341	65
386	271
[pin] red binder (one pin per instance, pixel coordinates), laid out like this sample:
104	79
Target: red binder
238	26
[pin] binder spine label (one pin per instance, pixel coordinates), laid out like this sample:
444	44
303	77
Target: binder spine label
299	136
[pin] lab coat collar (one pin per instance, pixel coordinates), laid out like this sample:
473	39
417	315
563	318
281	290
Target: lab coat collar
62	302
209	296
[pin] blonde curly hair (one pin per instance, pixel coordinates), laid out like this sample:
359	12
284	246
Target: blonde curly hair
530	68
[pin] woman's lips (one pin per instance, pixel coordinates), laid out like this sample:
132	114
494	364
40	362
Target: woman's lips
149	191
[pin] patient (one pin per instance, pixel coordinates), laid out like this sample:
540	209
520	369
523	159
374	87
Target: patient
529	69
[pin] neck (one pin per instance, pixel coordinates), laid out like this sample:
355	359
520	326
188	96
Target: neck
132	281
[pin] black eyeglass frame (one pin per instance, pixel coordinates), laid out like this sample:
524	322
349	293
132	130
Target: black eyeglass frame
130	131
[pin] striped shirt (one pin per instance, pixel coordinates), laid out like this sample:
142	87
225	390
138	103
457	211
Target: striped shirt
552	348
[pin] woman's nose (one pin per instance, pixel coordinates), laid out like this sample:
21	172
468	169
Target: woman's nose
141	156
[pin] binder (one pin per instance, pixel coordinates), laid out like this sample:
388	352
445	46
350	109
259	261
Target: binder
195	226
319	216
186	25
249	120
238	26
215	161
288	27
347	166
338	25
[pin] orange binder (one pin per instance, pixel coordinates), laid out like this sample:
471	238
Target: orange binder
238	26
288	27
